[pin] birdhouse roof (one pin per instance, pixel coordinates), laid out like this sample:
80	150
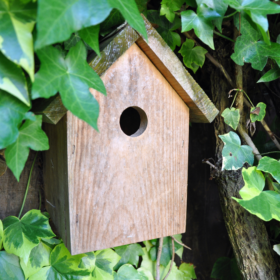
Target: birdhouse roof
202	110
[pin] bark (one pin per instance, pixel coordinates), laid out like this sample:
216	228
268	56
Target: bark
247	233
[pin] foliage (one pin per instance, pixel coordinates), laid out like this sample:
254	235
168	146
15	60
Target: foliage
226	269
231	117
259	116
31	252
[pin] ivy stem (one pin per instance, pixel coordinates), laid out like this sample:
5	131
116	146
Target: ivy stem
159	257
233	100
223	36
27	187
228	16
273	152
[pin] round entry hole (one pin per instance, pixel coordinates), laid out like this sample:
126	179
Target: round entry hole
133	121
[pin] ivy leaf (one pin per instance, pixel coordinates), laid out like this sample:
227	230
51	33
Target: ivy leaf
248	47
21	236
55	23
219	6
1	235
193	57
276	248
188	270
91	35
128	272
62	266
226	269
111	22
261	113
39	257
258	11
254	183
145	273
129	255
12	112
265	205
100	264
168	7
270	165
235	155
166	28
72	77
271	75
203	27
31	136
72	41
9	267
12	80
17	22
231	117
130	12
142	6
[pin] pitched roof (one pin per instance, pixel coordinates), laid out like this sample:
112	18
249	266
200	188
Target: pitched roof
202	110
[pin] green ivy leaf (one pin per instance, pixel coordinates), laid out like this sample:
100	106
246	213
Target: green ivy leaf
39	257
130	12
55	23
168	7
17	22
166	28
142	6
112	21
248	47
271	75
220	7
265	205
62	266
276	187
270	165
226	269
9	267
254	183
1	235
72	77
261	113
31	136
231	117
100	264
21	236
193	57
72	41
258	11
12	112
188	270
129	255
145	273
128	272
235	155
203	27
91	35
12	80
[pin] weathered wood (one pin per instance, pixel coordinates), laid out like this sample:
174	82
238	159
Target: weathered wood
122	189
56	178
202	110
51	109
12	191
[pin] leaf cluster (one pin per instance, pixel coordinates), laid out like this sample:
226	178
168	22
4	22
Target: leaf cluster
32	252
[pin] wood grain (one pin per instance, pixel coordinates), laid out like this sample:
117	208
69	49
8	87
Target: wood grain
202	110
124	189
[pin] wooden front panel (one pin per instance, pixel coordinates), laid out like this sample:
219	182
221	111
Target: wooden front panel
125	189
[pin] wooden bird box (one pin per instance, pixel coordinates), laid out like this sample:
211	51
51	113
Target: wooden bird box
128	182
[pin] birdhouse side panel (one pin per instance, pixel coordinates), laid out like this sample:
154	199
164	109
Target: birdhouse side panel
127	186
56	178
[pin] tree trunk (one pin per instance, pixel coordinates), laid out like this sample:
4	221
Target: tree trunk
247	233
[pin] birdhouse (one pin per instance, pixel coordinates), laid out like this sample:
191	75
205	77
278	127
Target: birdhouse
128	182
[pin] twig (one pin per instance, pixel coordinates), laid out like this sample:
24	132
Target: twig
182	244
27	187
158	258
172	260
223	36
211	164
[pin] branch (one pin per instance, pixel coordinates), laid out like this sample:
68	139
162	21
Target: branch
182	244
172	260
158	258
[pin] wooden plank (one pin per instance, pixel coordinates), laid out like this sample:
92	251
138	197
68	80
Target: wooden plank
126	189
56	178
202	110
51	109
